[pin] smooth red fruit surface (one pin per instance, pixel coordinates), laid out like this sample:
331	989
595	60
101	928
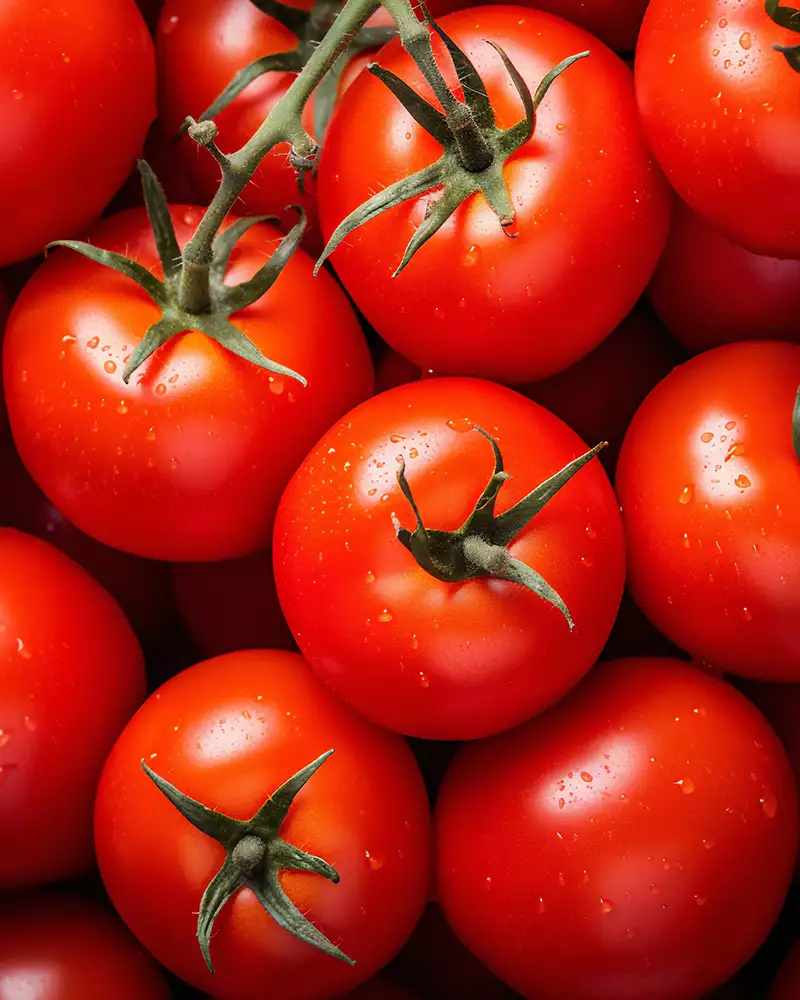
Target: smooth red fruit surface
661	813
228	732
593	398
710	491
418	655
139	586
721	109
71	675
709	291
187	461
231	605
55	946
591	208
77	97
787	985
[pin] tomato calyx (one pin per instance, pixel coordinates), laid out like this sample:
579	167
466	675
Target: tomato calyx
219	300
475	148
479	548
786	17
255	855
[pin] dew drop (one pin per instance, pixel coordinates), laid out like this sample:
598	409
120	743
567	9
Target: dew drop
110	367
371	492
424	680
700	900
472	256
5	739
706	436
745	40
742	482
747	614
542	906
769	803
560	126
561	803
93	343
122	409
30	725
413	453
585	776
151	434
460	425
276	386
370	577
687	494
488	883
374	863
606	905
160	389
385	615
686	785
414	642
723	22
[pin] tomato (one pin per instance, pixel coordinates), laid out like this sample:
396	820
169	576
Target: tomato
583	395
426	657
709	291
188	461
661	813
78	95
231	605
140	586
229	732
722	112
710	491
787	985
71	673
55	946
591	209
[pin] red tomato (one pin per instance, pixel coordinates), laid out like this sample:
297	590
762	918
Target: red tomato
709	291
426	657
593	399
140	586
71	675
722	113
59	947
661	813
710	491
231	605
787	985
229	732
188	461
592	210
78	95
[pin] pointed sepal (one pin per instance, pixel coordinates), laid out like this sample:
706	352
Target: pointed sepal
169	252
119	263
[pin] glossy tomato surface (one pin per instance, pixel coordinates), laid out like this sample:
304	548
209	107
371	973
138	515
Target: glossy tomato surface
416	654
591	208
71	675
55	946
77	97
187	461
710	491
228	732
635	841
721	109
708	291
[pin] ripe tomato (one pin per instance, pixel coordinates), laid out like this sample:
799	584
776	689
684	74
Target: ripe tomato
78	95
591	209
59	947
661	813
787	985
722	112
229	732
444	660
709	291
231	605
188	461
710	491
71	674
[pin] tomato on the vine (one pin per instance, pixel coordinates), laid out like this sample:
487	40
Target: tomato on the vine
55	946
71	675
188	460
425	641
591	207
709	291
638	840
229	732
710	491
76	100
721	109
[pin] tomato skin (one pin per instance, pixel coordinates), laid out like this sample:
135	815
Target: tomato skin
73	84
722	112
64	644
652	762
231	605
188	461
55	946
415	654
709	291
710	491
472	301
787	985
228	732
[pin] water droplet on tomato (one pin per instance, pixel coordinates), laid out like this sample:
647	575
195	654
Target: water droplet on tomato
93	343
687	494
723	22
769	803
472	256
745	40
385	615
424	680
110	367
160	389
606	905
686	785
585	776
397	438
375	863
460	425
700	900
706	436
370	577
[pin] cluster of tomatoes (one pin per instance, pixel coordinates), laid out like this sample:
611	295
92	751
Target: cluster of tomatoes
370	683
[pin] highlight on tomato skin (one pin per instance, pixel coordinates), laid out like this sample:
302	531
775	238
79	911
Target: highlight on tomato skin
638	794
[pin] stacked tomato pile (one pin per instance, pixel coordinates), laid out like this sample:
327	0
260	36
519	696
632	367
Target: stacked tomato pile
422	622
